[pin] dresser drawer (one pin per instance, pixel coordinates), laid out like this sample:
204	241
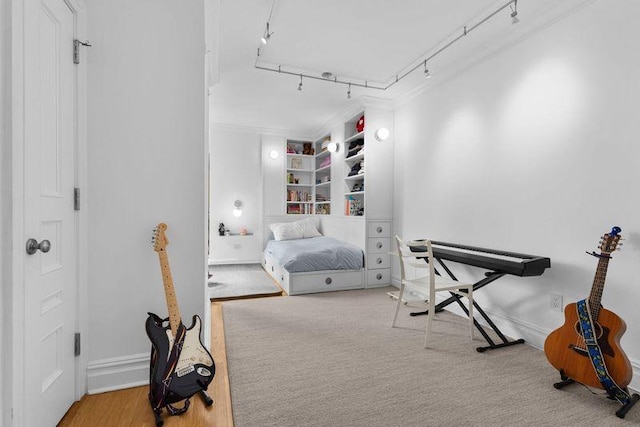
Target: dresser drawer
377	261
379	229
378	277
378	245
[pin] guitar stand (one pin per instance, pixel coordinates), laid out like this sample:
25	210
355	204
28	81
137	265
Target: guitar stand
208	401
620	413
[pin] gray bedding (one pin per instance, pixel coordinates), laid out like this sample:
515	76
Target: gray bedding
315	254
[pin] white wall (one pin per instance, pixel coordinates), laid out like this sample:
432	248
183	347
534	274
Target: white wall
236	173
5	206
535	150
146	164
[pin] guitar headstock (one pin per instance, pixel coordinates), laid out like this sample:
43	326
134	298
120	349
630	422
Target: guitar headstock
610	241
159	240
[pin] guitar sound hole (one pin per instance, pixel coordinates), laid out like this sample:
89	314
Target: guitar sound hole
597	330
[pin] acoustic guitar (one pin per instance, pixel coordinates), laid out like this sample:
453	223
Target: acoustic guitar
177	371
566	348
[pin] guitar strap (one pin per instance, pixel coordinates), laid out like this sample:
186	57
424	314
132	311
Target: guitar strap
161	390
595	354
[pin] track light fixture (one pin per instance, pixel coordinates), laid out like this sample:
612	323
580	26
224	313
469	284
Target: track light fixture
514	12
267	35
427	74
326	77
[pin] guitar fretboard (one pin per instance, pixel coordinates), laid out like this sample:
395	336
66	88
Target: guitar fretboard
595	297
170	294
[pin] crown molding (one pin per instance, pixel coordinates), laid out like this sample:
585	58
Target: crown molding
243	128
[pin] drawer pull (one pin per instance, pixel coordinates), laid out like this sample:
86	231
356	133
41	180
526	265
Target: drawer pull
379	229
328	280
379	245
379	261
379	276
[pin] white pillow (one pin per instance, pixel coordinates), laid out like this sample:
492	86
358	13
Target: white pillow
286	230
309	228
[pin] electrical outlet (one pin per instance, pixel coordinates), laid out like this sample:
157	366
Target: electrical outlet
555	302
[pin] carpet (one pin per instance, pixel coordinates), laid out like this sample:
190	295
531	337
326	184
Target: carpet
240	281
332	359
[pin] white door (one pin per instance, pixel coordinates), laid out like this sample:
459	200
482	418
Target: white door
50	286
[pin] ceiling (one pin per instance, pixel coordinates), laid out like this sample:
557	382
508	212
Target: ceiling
356	40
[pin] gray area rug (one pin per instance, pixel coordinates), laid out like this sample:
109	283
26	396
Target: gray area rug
242	280
332	359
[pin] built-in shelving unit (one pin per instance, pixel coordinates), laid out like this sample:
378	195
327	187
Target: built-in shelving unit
300	173
354	152
322	188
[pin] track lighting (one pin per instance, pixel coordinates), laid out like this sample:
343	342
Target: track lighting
267	35
514	12
427	74
330	77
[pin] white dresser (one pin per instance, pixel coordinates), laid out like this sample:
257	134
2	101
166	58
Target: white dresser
378	262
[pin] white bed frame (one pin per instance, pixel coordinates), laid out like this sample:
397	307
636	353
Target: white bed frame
311	281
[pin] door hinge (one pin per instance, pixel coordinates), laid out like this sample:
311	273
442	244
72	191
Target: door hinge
76	344
76	199
76	49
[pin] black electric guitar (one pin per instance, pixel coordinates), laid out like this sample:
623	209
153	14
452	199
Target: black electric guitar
177	371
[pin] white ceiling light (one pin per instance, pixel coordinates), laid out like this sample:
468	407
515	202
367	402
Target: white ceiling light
273	154
333	147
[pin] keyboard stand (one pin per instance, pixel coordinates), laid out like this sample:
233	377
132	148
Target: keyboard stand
490	277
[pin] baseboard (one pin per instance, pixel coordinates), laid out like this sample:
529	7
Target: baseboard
118	373
532	334
234	261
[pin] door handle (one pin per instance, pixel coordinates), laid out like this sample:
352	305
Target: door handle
33	246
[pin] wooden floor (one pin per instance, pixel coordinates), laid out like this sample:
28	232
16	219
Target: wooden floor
130	407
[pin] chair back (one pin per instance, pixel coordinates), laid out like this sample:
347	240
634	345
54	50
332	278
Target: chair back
405	252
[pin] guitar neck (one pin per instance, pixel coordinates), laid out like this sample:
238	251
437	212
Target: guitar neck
169	292
595	297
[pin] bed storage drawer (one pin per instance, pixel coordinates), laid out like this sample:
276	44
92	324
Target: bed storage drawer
323	281
377	261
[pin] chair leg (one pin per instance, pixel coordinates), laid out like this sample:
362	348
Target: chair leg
471	327
395	314
430	316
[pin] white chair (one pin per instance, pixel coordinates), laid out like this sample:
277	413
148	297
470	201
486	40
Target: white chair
427	284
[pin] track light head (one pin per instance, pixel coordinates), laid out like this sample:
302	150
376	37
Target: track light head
514	13
349	92
267	35
300	85
427	74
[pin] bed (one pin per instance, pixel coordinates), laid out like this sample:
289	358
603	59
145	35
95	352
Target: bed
303	261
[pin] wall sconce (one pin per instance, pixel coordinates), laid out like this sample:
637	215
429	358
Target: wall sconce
237	208
273	154
382	134
333	147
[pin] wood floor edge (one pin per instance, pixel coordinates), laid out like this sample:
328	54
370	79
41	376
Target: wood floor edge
224	410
